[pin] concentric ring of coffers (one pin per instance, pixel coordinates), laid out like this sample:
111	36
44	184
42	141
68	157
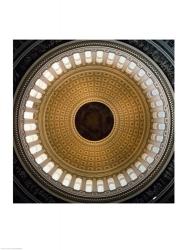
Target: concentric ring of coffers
142	77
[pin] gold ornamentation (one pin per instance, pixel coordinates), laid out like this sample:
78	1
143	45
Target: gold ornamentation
94	158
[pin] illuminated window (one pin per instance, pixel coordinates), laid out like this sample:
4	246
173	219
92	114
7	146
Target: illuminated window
56	175
88	187
48	75
100	186
77	184
67	180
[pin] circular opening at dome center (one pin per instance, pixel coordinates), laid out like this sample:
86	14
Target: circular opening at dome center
94	121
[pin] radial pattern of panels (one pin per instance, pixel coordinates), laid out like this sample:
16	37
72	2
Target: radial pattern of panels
128	88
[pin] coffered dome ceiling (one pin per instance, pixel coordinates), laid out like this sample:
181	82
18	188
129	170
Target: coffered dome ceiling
94	121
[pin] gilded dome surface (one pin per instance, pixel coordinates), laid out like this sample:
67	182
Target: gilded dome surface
94	121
